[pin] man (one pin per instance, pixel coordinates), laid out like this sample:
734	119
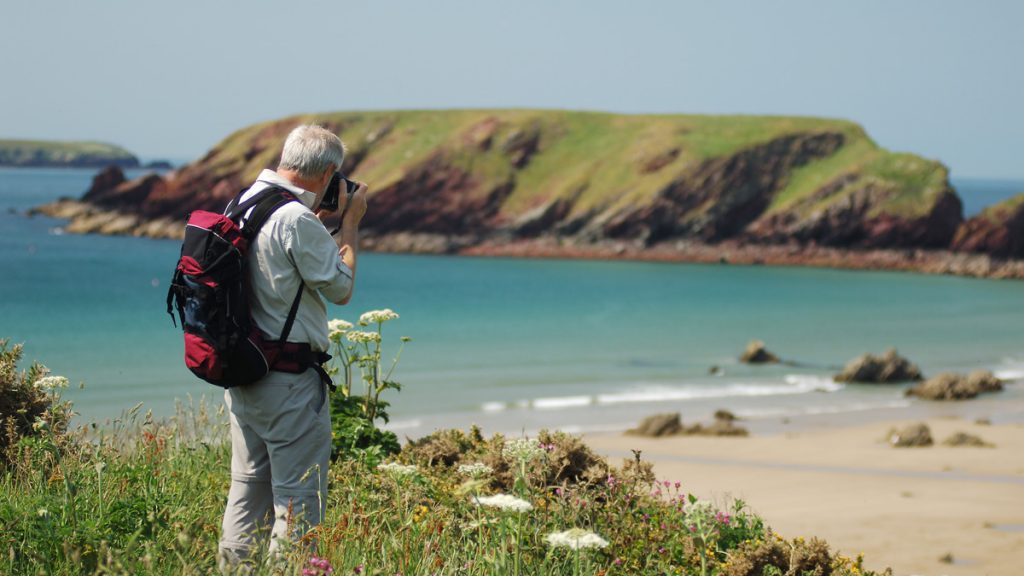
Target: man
281	424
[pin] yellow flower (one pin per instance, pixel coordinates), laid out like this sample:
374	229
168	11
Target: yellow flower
420	513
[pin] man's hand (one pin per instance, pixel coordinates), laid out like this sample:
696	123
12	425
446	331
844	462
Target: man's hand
357	208
353	214
348	241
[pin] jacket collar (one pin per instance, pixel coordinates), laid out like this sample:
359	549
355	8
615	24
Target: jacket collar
305	196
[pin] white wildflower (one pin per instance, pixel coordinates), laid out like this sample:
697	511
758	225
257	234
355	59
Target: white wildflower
504	502
700	513
51	383
398	470
337	327
475	470
377	316
362	337
523	449
576	538
43	513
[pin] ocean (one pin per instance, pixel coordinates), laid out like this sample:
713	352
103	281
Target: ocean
514	344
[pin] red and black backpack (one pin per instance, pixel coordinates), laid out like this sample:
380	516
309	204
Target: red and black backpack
211	293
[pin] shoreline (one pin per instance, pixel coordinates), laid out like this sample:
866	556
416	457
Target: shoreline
901	507
84	218
934	262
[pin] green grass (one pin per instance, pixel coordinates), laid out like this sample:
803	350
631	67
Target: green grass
806	180
917	183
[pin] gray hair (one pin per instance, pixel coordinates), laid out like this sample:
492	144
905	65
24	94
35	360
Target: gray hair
311	150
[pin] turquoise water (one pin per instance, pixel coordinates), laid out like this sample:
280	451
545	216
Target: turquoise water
512	343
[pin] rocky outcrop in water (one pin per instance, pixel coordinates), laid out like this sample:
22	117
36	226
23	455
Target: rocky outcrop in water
871	369
950	386
756	353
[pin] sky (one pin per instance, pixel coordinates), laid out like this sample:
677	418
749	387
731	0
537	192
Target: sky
942	79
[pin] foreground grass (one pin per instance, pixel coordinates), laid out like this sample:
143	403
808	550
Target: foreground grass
146	497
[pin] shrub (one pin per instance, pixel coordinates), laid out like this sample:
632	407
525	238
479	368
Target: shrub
774	555
567	461
30	403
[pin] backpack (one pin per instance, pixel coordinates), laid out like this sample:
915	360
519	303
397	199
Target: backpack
211	293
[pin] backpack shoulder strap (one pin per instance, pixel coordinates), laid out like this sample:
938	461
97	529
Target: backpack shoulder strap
237	209
263	204
267	202
290	320
234	201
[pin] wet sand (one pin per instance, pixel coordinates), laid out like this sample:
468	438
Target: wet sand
902	507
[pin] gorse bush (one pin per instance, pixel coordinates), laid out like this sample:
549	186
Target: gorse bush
30	404
146	497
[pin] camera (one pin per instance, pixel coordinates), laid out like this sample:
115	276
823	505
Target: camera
332	195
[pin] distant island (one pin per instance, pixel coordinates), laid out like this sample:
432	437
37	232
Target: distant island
44	153
742	189
56	154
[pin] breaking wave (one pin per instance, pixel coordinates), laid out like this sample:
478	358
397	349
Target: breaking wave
792	384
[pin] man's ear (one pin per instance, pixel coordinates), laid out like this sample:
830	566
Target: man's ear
326	178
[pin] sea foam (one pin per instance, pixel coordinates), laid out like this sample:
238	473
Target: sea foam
653	393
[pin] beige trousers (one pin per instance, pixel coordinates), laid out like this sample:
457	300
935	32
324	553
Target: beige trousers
280	450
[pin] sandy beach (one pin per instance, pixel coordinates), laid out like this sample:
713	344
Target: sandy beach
901	507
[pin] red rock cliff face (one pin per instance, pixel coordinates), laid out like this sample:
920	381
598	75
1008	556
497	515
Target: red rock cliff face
852	221
998	231
724	195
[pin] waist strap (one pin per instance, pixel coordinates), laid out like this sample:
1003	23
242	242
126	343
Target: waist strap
296	358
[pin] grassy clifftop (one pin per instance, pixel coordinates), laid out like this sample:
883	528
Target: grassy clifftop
592	176
71	154
597	159
464	178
